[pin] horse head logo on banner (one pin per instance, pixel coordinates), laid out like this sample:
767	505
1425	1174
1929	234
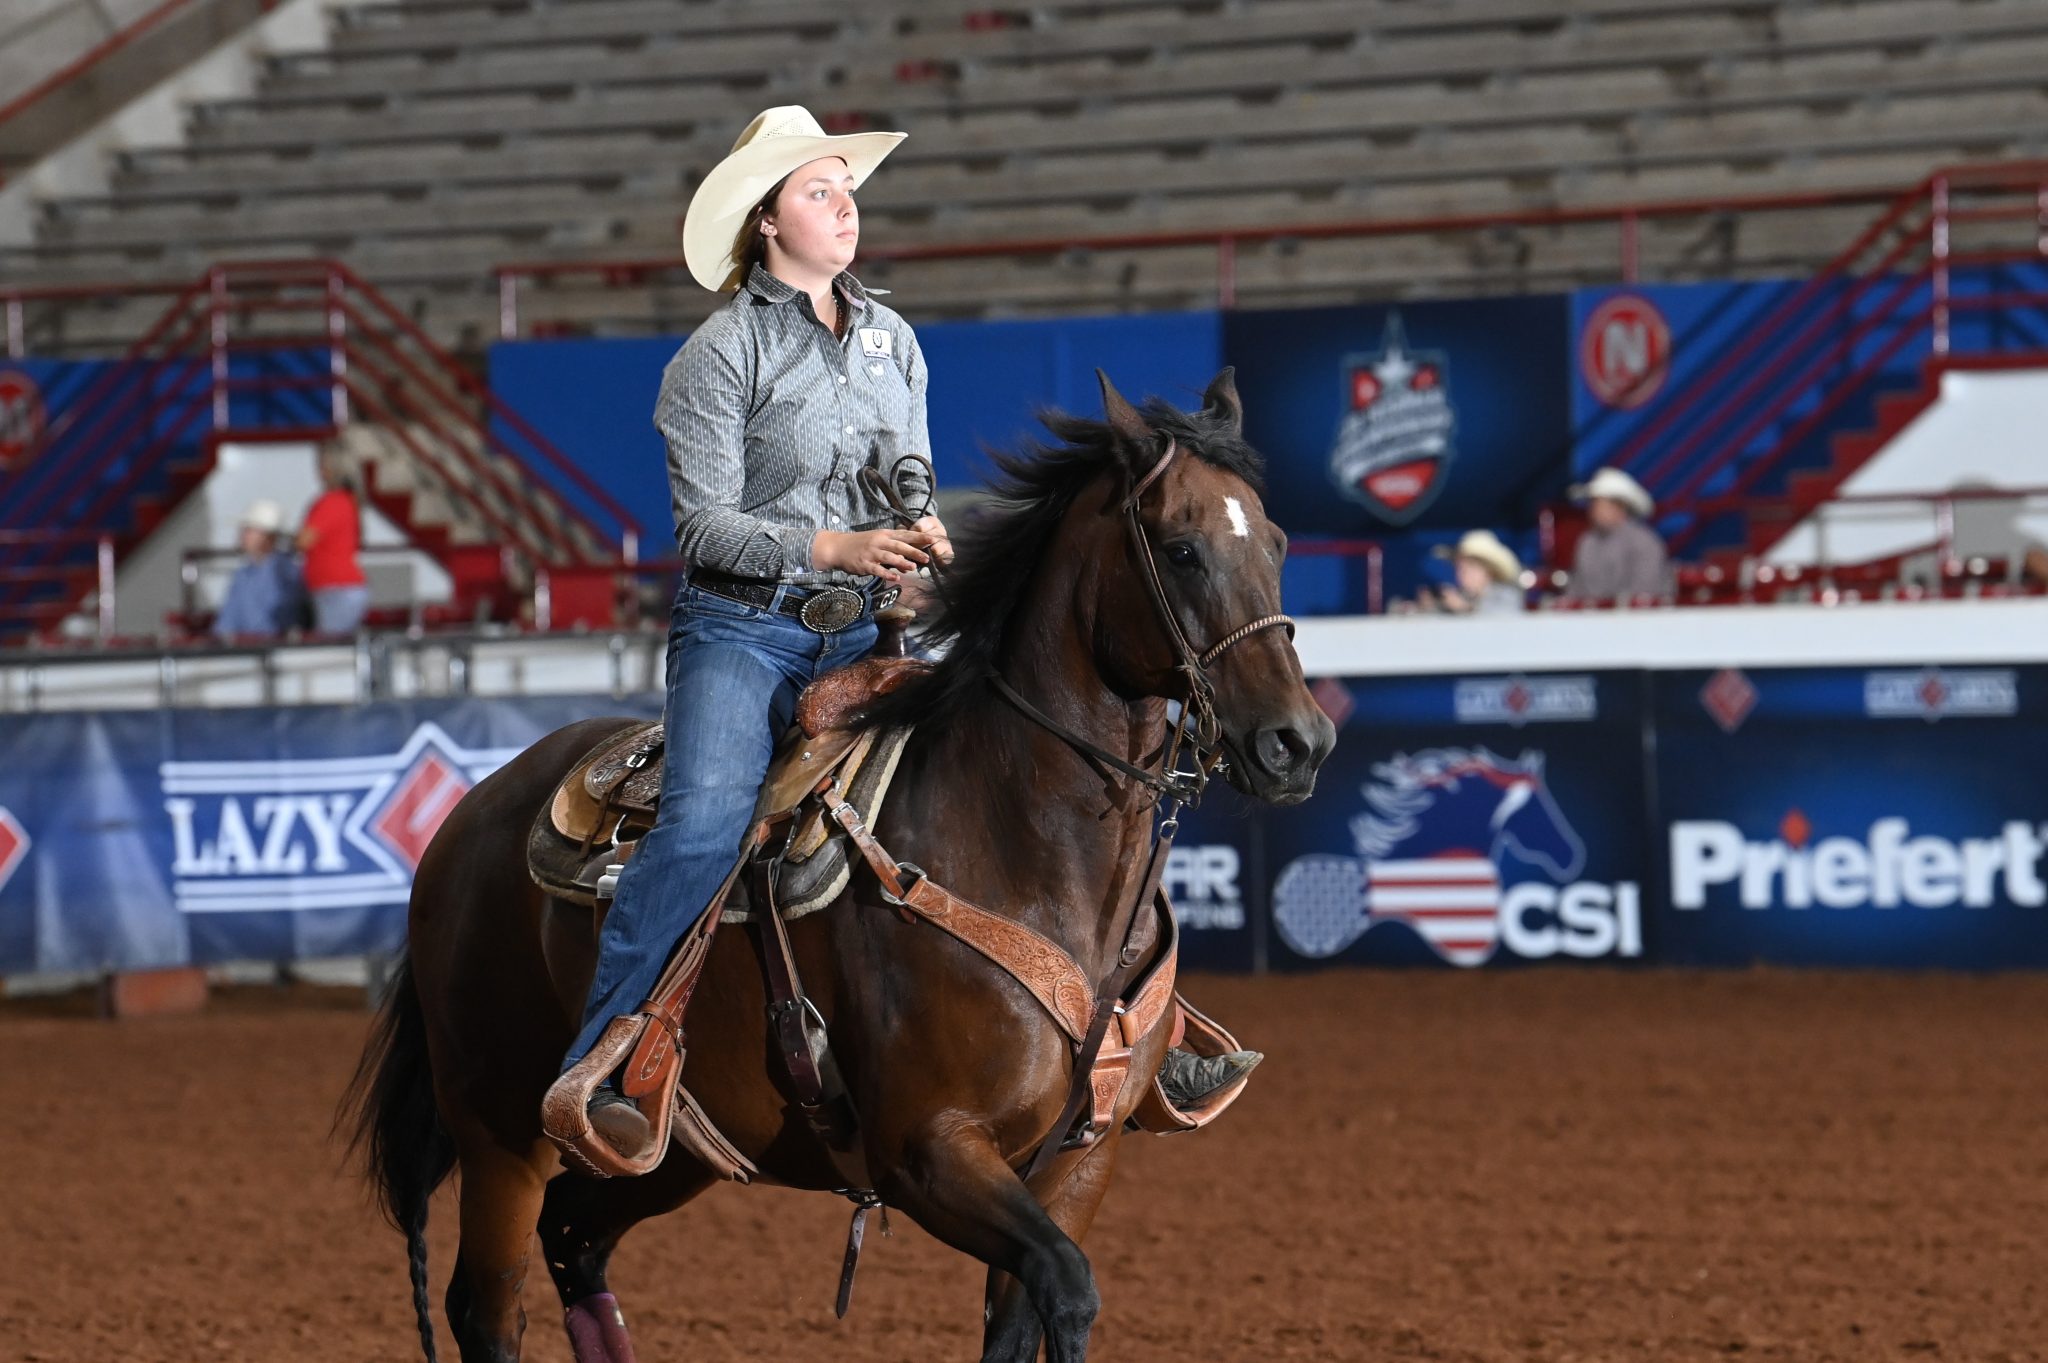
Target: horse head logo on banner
1437	829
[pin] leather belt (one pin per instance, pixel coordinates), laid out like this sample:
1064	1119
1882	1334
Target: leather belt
823	610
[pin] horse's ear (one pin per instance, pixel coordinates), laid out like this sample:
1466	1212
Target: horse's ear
1221	401
1122	417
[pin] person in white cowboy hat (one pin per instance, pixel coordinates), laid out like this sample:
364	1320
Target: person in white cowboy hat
1489	576
1619	557
771	410
263	597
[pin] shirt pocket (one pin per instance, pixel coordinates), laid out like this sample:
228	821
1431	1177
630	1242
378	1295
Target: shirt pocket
887	394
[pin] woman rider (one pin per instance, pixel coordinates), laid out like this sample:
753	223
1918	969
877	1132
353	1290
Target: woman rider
770	409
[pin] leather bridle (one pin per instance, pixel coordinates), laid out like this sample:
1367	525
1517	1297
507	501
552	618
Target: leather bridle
1199	704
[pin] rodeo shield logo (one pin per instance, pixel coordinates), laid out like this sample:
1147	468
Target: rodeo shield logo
1467	850
313	833
1394	445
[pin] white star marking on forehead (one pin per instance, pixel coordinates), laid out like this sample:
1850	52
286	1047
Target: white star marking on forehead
1234	509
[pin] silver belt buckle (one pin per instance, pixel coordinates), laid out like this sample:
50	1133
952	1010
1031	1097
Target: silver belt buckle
831	609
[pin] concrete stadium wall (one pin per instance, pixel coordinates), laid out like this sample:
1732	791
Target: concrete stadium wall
155	115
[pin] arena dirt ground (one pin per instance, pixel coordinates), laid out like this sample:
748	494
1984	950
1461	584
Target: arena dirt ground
1541	1165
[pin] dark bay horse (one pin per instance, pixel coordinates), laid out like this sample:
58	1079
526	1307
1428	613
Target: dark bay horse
955	1073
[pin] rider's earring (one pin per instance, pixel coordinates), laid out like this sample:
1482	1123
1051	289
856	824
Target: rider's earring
767	229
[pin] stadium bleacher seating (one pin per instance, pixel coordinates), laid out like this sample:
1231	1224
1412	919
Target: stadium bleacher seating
433	139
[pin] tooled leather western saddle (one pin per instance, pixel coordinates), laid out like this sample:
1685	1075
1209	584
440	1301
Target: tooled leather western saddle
590	827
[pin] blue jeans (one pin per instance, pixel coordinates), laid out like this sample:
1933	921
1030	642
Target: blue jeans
338	610
734	673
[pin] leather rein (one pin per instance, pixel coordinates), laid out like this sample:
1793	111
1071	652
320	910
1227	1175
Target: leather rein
1168	783
1173	787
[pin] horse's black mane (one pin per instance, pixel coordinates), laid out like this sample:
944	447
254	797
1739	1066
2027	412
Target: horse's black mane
1000	551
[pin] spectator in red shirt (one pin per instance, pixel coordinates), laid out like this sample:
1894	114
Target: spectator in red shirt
328	541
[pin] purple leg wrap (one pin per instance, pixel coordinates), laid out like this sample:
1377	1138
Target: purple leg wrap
597	1331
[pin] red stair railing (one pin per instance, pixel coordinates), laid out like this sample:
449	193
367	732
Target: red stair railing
1804	369
1817	327
1793	344
180	375
497	407
1692	393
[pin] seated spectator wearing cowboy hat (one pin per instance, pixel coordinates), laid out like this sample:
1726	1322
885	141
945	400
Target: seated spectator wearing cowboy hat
263	596
1619	557
2034	568
1489	576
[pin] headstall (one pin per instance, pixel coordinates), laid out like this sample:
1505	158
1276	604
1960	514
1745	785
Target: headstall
1198	705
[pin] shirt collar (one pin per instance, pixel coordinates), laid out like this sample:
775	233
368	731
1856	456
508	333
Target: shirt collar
770	289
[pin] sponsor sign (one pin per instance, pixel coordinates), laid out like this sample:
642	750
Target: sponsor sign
22	417
1933	693
140	839
1822	830
1524	700
1212	877
1624	351
307	833
1884	866
1828	816
1440	834
1393	449
1203	881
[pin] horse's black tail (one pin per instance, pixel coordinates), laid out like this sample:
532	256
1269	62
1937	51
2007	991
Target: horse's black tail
405	1149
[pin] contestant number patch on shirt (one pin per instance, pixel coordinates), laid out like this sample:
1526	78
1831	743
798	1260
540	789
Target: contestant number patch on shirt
875	341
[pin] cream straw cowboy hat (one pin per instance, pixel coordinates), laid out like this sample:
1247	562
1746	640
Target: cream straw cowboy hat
1615	486
263	514
774	144
1484	547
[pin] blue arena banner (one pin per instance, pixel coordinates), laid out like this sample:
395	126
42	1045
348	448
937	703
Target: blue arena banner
1467	821
1436	415
1215	875
140	839
990	380
594	399
1889	816
1879	816
151	838
1633	346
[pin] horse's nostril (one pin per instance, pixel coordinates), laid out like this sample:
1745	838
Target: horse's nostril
1283	750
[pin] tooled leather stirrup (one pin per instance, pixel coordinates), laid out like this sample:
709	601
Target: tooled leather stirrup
646	1048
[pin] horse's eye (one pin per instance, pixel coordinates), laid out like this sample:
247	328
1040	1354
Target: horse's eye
1182	555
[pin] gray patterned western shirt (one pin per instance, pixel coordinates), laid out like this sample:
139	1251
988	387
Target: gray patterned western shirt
769	418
